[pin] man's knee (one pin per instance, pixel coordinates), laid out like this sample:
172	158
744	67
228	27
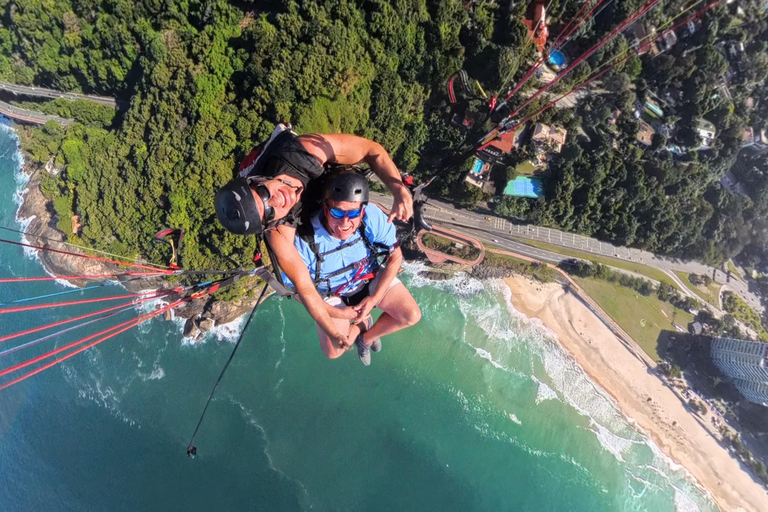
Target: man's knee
412	316
330	351
334	354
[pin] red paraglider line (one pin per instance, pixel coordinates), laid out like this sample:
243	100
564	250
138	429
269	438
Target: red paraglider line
81	317
698	13
647	6
97	258
121	328
559	41
84	276
74	302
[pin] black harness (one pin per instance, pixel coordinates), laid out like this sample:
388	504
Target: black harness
378	254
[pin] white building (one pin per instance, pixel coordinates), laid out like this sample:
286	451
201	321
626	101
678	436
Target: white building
745	362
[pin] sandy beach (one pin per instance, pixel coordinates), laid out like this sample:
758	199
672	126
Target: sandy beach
642	396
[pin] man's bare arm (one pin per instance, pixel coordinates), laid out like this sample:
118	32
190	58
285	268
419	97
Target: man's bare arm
281	242
342	148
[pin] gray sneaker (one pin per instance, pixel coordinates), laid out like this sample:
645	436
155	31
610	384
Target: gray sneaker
376	345
363	350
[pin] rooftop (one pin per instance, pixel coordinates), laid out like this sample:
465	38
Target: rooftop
550	134
505	144
645	134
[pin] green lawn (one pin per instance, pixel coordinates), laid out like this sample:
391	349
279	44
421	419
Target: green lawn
541	272
734	271
525	169
709	294
639	268
643	318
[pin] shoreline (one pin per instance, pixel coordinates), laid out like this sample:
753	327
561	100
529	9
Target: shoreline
642	397
37	222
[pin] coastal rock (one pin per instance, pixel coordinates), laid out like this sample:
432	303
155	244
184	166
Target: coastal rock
190	329
42	231
205	324
487	272
435	275
225	312
191	309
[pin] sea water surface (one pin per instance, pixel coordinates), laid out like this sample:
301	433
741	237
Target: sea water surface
475	408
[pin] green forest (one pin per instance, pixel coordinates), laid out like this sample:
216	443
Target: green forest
199	83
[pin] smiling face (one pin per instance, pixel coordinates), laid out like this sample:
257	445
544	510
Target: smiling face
342	228
284	192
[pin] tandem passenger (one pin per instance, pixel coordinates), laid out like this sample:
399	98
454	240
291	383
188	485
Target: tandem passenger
353	257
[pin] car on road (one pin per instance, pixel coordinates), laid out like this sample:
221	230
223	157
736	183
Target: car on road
495	240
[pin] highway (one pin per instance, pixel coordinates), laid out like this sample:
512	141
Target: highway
30	116
53	94
503	233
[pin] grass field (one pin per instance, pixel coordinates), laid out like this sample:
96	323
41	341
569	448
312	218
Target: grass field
643	318
541	272
450	247
638	268
710	294
525	169
734	270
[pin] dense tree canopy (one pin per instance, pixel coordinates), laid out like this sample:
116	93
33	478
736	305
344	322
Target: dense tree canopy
200	82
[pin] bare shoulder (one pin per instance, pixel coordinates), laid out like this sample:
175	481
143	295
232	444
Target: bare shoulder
341	148
280	236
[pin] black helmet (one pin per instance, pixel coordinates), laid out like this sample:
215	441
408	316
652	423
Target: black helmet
236	207
347	185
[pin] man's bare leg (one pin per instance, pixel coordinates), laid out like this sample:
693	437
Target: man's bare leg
328	346
400	311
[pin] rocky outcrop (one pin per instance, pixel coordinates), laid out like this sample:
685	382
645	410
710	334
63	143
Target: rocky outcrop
488	272
436	275
201	314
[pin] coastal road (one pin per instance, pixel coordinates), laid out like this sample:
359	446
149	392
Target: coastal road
489	228
30	116
53	94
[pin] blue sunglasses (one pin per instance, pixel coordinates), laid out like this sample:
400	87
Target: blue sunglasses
338	213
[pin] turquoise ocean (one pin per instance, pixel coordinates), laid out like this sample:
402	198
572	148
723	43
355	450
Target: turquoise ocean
475	408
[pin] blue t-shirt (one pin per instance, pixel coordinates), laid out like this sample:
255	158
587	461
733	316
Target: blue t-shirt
377	230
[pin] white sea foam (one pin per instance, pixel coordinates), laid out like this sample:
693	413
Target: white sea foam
615	444
544	392
228	332
487	355
282	336
251	419
462	284
92	389
615	433
156	374
514	418
684	503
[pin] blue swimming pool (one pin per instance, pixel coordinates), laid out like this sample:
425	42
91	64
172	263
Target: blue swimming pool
556	58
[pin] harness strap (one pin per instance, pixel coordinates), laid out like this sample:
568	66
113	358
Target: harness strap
377	250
